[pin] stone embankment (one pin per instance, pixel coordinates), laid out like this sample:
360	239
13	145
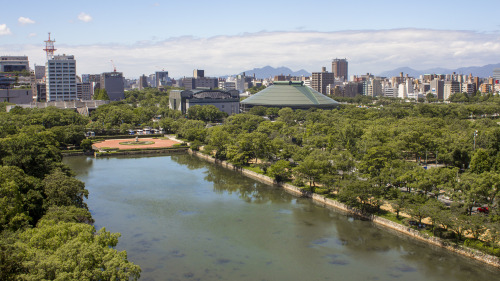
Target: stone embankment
471	253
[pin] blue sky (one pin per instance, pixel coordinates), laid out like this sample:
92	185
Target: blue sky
226	37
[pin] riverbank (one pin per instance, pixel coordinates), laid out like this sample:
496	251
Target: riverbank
468	252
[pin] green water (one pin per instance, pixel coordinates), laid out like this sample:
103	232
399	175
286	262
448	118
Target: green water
185	219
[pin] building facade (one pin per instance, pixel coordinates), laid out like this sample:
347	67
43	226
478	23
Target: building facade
114	85
340	69
162	79
319	80
84	91
60	73
225	101
14	63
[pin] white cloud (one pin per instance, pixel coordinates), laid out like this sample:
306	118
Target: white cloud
23	20
4	30
32	35
84	17
366	51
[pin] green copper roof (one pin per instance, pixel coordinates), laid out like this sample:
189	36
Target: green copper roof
290	94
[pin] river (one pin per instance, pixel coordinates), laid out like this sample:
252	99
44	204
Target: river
182	218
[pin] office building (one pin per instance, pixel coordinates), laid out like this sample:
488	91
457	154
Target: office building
450	88
14	63
339	69
162	79
198	73
60	73
114	85
437	88
496	78
39	72
143	82
199	81
84	91
322	79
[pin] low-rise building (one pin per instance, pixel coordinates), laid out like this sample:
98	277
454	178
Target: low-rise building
225	101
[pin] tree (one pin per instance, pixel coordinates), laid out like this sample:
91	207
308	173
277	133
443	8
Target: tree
67	214
100	94
63	190
280	171
481	161
219	140
313	167
415	207
361	194
399	203
35	154
71	251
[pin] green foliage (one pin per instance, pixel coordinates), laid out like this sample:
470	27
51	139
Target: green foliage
86	144
63	190
71	251
67	214
280	171
207	113
483	246
36	154
100	94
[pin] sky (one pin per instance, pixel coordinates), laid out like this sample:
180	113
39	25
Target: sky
228	37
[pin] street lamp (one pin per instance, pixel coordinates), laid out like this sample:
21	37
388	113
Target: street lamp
475	134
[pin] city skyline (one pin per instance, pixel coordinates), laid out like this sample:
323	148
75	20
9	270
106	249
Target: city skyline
227	37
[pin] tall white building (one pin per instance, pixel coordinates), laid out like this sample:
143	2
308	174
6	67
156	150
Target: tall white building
60	73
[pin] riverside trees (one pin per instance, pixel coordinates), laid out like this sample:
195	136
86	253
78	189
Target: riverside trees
45	230
365	156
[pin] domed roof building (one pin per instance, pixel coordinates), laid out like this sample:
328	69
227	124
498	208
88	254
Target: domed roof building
291	94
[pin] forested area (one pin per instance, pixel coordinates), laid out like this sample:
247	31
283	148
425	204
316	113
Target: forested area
46	230
435	162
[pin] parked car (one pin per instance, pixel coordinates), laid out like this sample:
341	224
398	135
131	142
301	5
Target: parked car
483	210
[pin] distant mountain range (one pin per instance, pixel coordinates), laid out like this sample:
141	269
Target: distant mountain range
480	71
269	71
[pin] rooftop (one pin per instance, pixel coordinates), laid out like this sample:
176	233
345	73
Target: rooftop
290	94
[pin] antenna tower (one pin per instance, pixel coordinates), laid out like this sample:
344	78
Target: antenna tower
49	48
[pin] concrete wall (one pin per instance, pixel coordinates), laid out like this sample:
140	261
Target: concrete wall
471	253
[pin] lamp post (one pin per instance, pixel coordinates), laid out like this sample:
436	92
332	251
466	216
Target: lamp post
475	134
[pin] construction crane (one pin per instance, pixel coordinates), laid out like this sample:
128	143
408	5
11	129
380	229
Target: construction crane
114	66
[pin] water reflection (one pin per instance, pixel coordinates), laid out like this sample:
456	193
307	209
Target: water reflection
224	180
182	218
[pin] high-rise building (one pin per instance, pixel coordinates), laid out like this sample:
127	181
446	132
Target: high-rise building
450	88
39	72
322	79
162	79
84	91
198	73
60	73
14	63
339	69
199	81
114	85
496	76
143	82
437	88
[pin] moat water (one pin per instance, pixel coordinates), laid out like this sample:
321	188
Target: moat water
182	218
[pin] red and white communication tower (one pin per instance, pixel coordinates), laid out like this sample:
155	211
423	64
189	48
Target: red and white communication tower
49	48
